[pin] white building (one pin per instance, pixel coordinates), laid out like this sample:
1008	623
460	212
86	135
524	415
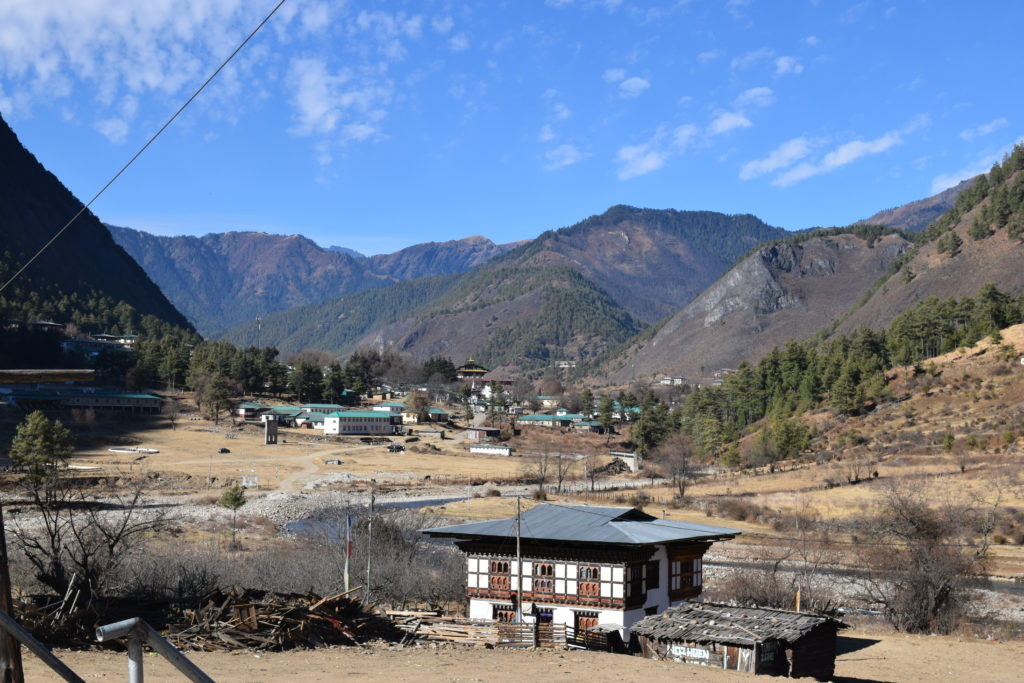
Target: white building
378	422
582	565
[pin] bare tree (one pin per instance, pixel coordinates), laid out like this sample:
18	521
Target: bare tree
677	458
73	535
923	559
564	465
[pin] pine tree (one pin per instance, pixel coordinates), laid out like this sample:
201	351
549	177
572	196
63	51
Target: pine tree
40	443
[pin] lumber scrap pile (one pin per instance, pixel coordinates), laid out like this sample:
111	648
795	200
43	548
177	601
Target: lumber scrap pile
432	627
261	620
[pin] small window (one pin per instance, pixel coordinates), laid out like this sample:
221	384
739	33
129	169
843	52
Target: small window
543	577
505	613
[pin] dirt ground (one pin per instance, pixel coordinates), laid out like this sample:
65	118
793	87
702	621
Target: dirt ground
865	656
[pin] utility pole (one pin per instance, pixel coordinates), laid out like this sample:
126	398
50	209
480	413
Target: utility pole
519	564
348	547
10	650
369	545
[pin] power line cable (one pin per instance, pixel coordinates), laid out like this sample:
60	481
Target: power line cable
124	168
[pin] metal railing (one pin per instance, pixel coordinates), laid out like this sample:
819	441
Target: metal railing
138	632
38	649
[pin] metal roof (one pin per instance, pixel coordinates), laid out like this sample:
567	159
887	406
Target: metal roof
363	414
587	524
706	622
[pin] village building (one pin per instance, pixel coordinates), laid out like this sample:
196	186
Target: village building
482	433
321	408
248	410
392	407
285	415
375	422
752	639
581	565
107	401
309	420
411	416
490	449
470	371
541	420
547	402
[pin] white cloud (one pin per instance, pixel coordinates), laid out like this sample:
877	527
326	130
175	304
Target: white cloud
787	65
562	156
723	123
341	104
442	24
562	112
547	133
684	135
633	86
709	56
749	59
613	75
811	41
980	165
782	156
114	129
638	160
458	43
984	129
755	97
841	156
736	8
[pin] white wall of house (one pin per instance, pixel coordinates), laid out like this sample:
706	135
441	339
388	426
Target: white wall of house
338	425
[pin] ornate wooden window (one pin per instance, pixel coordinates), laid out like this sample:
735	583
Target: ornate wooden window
653	576
543	577
635	582
585	620
504	613
589	581
501	577
685	577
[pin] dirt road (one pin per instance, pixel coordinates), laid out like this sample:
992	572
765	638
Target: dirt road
865	656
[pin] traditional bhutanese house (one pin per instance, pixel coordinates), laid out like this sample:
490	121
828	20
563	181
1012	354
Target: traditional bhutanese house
752	639
470	371
592	426
547	402
248	410
378	422
582	565
309	420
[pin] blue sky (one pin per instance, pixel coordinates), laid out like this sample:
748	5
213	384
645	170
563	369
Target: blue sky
376	125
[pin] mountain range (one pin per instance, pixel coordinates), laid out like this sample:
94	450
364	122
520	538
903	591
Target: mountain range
221	280
571	293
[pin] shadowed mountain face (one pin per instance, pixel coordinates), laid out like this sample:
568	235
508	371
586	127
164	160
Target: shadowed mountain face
569	294
226	279
83	264
782	291
915	216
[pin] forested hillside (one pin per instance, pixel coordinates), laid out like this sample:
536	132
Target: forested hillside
225	279
916	216
84	277
980	240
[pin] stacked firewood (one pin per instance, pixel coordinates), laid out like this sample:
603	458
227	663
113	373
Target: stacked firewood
431	626
260	620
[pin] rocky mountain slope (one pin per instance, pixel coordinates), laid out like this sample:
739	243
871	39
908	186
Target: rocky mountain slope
82	268
915	216
785	290
225	279
571	293
979	241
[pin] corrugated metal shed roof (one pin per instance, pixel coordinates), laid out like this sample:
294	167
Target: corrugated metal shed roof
588	524
706	622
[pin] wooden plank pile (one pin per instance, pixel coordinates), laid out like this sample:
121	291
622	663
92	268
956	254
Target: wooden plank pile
261	620
432	627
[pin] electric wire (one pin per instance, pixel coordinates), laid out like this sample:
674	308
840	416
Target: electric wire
85	207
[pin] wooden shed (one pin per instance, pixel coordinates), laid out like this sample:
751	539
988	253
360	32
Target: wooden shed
752	639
